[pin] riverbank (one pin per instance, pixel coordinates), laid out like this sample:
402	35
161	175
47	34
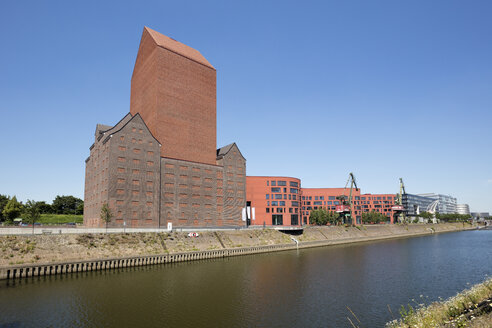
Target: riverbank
470	308
25	253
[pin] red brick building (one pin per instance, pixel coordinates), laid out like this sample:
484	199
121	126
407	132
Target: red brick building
381	203
314	198
282	201
159	164
274	200
174	90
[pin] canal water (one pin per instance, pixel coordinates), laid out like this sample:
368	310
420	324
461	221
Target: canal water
317	287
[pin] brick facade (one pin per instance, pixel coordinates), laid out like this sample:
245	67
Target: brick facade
315	198
174	90
160	164
276	204
276	200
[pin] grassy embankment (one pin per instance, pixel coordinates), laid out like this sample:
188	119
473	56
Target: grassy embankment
470	308
40	248
56	219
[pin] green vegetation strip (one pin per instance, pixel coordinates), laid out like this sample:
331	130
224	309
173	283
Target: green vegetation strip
470	308
54	219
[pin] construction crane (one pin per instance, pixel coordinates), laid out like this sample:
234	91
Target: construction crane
345	208
398	208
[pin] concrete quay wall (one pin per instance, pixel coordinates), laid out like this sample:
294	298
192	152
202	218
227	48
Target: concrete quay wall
228	241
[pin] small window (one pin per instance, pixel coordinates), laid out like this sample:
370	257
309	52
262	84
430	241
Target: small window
267	196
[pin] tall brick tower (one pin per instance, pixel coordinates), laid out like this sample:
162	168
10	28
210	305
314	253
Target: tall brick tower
159	164
174	90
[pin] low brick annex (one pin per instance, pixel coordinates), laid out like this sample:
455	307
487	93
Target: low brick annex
183	178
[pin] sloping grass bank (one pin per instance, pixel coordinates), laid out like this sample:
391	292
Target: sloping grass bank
57	219
56	248
470	308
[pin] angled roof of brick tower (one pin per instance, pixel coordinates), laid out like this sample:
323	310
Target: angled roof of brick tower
174	90
182	49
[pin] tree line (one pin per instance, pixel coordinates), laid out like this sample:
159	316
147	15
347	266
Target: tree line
11	208
321	216
452	217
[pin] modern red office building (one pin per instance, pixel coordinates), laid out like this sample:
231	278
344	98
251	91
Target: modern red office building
315	198
281	201
381	203
274	201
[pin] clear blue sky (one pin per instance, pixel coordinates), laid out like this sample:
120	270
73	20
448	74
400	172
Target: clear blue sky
315	90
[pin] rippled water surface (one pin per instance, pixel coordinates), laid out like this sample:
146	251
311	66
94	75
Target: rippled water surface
306	288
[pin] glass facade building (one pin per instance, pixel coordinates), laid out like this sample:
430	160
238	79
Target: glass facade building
447	204
415	204
462	209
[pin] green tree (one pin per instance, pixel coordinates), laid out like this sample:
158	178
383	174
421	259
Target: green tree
31	213
373	217
106	214
427	215
334	218
66	204
321	216
44	208
453	217
12	209
3	201
318	217
80	209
